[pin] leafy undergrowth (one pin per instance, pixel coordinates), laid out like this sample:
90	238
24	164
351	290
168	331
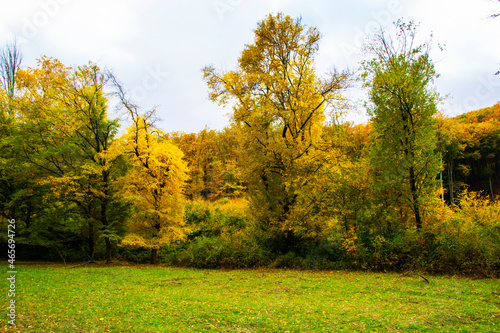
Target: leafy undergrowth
143	298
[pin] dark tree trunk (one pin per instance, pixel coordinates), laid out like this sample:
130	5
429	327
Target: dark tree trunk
104	215
108	250
416	206
450	181
29	212
154	256
91	241
289	241
441	181
491	190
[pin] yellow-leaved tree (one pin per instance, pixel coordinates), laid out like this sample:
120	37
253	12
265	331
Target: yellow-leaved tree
153	185
280	108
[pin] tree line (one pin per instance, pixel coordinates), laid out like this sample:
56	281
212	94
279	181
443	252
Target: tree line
287	183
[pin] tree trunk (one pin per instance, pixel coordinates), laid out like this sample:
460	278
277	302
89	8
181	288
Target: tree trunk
108	250
154	256
91	242
441	179
289	241
213	183
416	206
450	180
29	212
497	168
491	190
104	214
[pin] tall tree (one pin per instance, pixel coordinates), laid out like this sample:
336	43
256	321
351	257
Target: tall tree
64	132
451	148
279	109
402	107
154	183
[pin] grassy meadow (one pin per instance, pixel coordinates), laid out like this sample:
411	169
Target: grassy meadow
144	298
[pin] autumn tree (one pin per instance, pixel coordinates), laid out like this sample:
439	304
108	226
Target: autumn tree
63	132
344	189
214	168
450	144
279	107
480	139
402	105
153	184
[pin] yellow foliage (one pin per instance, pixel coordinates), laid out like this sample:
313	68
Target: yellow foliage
474	214
279	113
154	185
475	209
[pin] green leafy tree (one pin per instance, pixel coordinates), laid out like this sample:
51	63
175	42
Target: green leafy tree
62	133
403	155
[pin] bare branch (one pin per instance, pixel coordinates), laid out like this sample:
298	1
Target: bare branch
10	62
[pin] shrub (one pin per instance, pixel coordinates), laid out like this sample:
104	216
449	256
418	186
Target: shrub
135	255
467	240
463	241
225	251
212	219
221	237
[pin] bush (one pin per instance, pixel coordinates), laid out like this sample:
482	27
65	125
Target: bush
221	237
135	255
467	240
236	251
289	260
212	219
463	241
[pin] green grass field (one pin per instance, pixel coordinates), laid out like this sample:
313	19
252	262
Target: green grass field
50	298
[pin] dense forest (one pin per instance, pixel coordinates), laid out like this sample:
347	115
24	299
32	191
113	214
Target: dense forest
288	183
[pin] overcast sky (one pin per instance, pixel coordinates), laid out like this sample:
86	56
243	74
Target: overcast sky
158	48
